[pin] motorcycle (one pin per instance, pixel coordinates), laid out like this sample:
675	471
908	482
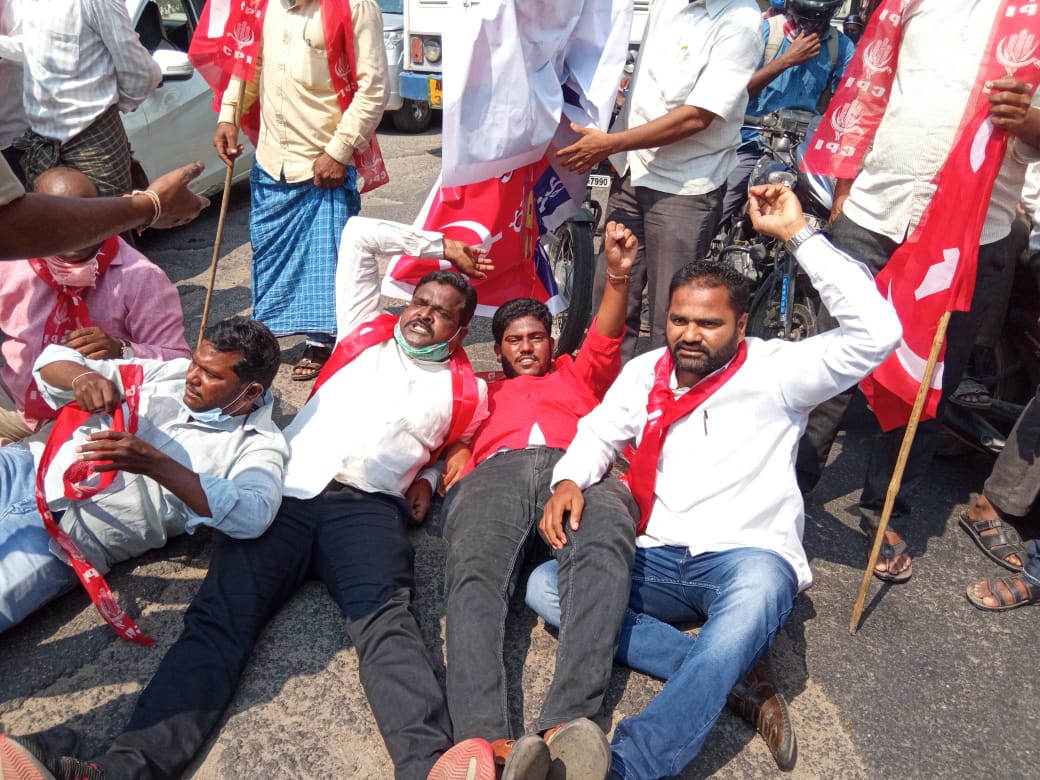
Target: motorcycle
784	303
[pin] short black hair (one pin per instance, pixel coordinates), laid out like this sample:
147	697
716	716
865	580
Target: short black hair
460	283
701	273
260	351
516	309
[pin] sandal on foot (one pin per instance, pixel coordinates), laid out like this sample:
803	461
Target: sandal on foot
889	552
310	363
996	546
971	394
1017	592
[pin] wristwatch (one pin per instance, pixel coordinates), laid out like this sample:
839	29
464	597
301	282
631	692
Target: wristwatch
127	351
800	238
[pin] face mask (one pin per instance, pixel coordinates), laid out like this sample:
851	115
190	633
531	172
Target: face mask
212	416
73	274
432	353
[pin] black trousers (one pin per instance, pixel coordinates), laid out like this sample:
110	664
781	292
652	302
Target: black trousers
355	542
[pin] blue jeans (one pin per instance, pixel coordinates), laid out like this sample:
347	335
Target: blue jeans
743	597
30	575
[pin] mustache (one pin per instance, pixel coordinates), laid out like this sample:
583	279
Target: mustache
420	322
682	345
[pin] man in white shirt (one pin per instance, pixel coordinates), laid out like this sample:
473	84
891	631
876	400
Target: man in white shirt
675	142
721	511
206	453
875	213
12	113
84	64
356	447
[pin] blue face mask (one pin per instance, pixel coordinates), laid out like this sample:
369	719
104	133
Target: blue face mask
432	353
213	416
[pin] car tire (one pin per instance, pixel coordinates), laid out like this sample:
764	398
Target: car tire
413	117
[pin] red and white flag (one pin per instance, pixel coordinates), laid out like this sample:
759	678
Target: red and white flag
513	83
933	271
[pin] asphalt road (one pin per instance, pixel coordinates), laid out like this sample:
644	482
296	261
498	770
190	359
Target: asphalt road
929	687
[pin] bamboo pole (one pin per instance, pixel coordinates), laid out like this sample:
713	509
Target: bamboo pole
220	221
897	474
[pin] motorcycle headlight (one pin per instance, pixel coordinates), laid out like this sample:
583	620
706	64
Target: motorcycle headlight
769	171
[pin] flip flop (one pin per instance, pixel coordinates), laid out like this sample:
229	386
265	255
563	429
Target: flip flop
887	553
996	546
1022	593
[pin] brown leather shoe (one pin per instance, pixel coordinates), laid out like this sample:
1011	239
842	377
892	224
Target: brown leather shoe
756	700
526	758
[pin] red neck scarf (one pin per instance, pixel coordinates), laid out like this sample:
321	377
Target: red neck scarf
69	313
933	271
663	409
74	479
464	391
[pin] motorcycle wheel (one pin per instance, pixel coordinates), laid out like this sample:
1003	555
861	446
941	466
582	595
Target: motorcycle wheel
764	313
573	266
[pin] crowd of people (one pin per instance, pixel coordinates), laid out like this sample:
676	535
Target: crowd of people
117	437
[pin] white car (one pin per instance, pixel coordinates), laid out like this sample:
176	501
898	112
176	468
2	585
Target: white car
175	124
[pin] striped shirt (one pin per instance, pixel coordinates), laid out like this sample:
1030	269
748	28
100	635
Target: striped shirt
81	56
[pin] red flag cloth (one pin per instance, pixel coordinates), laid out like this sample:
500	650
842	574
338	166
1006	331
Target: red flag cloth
227	42
464	391
663	409
933	271
74	479
498	215
70	313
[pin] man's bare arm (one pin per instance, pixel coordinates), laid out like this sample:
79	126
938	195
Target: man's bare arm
37	225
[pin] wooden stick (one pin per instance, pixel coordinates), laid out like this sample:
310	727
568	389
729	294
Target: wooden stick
220	222
897	474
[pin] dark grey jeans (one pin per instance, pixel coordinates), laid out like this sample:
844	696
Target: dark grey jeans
355	542
874	251
672	230
1014	483
492	521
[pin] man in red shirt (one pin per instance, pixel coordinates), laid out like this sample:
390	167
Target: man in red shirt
491	527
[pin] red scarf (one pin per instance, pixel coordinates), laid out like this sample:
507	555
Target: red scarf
663	409
236	49
464	392
70	313
933	271
74	478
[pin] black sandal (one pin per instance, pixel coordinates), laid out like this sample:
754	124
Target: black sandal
310	363
1018	592
995	546
888	553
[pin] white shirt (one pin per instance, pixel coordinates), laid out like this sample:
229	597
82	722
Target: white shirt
698	54
240	463
726	477
375	422
920	123
81	56
12	115
1031	203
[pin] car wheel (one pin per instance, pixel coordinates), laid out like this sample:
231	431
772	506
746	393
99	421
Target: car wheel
413	117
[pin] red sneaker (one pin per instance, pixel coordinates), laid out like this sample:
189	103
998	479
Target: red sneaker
471	759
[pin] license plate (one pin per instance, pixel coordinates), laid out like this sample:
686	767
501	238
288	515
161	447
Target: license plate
598	180
436	92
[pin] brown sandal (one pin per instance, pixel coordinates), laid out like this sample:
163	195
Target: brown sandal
310	363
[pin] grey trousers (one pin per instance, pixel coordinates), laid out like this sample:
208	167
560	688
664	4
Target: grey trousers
1014	483
672	230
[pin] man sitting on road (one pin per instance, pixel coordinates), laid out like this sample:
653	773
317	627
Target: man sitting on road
104	301
394	391
721	522
491	524
206	453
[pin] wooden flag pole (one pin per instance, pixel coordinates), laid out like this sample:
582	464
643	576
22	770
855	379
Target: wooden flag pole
220	222
897	474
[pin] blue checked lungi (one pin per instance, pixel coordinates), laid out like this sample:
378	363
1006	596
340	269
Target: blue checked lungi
295	230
